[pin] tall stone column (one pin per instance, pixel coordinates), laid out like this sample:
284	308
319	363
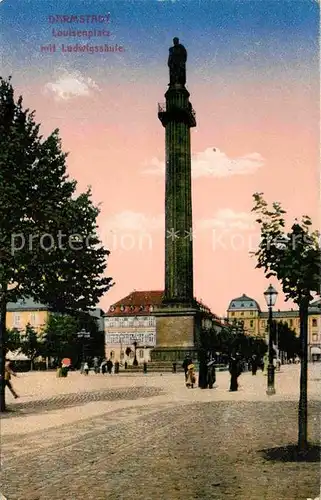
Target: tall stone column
177	319
177	116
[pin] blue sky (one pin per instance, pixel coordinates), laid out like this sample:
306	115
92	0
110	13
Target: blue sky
147	27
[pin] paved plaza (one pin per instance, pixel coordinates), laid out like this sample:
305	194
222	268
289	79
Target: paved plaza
148	437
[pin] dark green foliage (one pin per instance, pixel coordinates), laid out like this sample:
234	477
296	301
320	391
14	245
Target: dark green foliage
60	338
293	257
13	340
49	247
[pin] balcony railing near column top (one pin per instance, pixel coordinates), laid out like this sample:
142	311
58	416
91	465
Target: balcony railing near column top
162	108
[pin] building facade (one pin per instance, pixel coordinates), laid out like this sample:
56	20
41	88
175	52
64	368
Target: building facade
130	320
25	311
255	320
134	319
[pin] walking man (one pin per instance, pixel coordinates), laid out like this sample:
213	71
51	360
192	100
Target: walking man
235	371
7	377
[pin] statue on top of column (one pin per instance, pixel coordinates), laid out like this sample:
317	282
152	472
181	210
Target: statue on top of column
177	63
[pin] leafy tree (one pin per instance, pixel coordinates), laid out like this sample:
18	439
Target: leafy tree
49	248
13	340
30	344
60	337
286	339
294	258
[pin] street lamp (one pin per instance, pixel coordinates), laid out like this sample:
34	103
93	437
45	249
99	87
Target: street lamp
135	362
270	296
83	335
136	323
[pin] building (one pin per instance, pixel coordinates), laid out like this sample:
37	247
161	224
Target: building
128	320
134	318
25	311
255	320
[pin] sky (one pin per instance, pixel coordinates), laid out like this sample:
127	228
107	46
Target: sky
253	78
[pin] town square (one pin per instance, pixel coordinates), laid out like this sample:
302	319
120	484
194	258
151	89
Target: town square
147	436
187	367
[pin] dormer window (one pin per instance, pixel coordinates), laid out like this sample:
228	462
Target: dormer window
132	308
122	308
242	305
112	309
141	308
151	309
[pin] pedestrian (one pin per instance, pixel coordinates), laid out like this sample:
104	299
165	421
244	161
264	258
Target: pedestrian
254	364
109	366
265	363
235	371
96	365
116	366
103	367
86	368
174	367
8	372
211	373
145	367
191	377
186	362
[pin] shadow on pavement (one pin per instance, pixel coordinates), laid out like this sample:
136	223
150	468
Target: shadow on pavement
77	399
290	454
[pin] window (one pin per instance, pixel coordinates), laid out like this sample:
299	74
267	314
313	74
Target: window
233	313
33	319
314	322
263	322
291	322
242	313
314	337
141	353
251	323
112	354
17	320
251	313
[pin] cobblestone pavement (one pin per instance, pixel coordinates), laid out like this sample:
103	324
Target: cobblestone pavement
79	398
170	444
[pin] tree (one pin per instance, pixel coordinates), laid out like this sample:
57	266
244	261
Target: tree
13	340
60	337
30	345
293	257
49	248
286	339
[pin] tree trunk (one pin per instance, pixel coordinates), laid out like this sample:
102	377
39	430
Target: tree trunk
303	402
3	311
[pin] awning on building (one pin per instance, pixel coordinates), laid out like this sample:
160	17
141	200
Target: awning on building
315	350
16	356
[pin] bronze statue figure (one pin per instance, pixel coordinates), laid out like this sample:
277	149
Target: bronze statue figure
177	63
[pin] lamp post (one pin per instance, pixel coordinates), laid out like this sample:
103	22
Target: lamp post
270	296
136	323
83	335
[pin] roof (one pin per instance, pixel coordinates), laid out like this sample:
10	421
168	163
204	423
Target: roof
26	304
315	306
137	302
142	302
243	302
294	313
